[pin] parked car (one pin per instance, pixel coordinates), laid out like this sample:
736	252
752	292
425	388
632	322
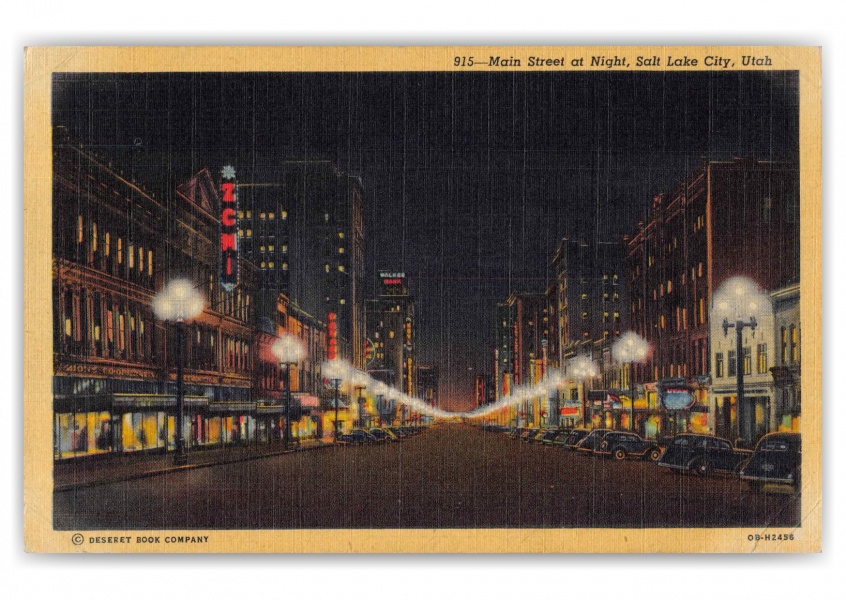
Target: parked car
352	439
702	454
369	437
621	445
540	435
383	435
573	439
554	434
777	459
528	434
592	441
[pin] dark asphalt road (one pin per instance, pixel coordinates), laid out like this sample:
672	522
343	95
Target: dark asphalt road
453	476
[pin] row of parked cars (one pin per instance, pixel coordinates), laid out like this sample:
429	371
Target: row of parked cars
777	458
378	435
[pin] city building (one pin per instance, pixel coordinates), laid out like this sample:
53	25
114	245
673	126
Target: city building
115	245
726	219
301	224
729	218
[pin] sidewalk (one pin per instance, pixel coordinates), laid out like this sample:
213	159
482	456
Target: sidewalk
72	474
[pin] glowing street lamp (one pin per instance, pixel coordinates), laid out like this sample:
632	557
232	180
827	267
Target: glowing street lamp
630	348
581	369
359	382
289	351
335	371
739	301
178	302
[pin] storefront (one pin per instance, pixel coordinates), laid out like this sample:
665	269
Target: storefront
105	423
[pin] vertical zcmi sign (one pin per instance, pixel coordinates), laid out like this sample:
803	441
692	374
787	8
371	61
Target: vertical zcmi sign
228	225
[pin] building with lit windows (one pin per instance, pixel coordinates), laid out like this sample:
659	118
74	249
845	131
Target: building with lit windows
771	362
301	224
115	244
727	218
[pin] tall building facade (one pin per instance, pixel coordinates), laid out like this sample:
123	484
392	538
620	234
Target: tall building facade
115	245
587	301
729	218
302	226
391	332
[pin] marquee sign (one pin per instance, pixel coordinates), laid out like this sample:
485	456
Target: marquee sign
228	226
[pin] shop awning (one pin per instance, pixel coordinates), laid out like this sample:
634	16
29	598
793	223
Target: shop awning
124	403
307	400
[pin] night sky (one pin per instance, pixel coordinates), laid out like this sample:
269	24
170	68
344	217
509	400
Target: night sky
470	178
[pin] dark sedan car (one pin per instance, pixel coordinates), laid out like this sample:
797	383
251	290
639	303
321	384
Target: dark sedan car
777	459
622	445
592	441
353	439
554	435
528	434
573	439
702	454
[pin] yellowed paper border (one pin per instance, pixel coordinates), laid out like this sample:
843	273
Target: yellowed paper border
41	63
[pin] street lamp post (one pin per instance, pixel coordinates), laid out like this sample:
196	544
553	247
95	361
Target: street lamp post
581	369
630	348
334	372
739	302
178	302
289	351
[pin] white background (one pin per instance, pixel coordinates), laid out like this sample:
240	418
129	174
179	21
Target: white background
158	22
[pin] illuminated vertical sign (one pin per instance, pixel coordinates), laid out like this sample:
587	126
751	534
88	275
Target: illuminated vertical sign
480	390
228	227
332	337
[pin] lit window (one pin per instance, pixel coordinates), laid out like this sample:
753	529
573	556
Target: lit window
94	237
341	268
262	216
150	263
284	214
120	251
669	285
326	268
271	215
341	250
240	214
107	244
284	266
240	233
270	264
270	248
249	233
284	247
131	256
80	230
263	265
341	234
249	214
342	301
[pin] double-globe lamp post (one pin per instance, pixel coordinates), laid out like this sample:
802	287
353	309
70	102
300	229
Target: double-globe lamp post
630	348
179	302
739	303
289	351
581	369
334	371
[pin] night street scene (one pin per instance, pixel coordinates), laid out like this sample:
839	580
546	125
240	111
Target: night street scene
426	300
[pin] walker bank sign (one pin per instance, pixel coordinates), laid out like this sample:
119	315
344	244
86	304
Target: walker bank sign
228	225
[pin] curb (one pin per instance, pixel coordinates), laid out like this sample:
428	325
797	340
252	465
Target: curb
68	487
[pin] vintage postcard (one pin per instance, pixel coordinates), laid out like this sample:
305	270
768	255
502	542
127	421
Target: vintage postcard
423	299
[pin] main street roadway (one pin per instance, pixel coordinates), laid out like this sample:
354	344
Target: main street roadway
452	476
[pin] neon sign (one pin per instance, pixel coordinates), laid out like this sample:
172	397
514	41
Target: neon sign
228	226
